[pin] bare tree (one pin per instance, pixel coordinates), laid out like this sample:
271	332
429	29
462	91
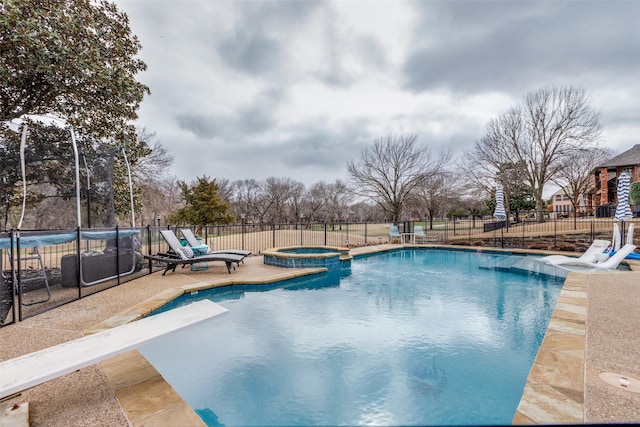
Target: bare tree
159	198
154	165
316	201
389	171
436	193
248	200
295	202
512	176
364	211
538	134
491	160
337	204
476	207
575	178
225	189
278	191
156	193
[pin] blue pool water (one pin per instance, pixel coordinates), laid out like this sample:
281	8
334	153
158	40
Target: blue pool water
420	337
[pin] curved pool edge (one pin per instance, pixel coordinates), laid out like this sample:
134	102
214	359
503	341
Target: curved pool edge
330	257
554	391
142	392
522	416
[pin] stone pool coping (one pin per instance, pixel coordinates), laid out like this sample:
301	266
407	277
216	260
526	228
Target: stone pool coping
330	257
129	391
330	251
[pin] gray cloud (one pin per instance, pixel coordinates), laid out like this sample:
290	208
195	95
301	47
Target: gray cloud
245	89
200	125
255	47
515	46
251	53
255	117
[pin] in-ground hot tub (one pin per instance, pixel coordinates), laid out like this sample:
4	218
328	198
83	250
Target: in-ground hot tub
330	257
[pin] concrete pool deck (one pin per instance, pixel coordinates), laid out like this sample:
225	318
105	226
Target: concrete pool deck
595	328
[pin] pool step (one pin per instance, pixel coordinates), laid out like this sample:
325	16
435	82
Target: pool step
524	265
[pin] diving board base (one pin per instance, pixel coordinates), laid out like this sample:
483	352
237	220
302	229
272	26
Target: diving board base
35	368
14	415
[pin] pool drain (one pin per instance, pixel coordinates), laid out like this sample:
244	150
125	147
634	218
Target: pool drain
622	382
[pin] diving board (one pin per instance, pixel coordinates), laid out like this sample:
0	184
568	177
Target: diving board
27	371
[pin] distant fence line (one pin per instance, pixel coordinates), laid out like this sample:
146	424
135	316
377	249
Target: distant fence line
55	267
258	237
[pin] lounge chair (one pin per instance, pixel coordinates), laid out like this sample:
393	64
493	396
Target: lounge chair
610	264
204	249
591	254
617	238
183	255
419	234
394	233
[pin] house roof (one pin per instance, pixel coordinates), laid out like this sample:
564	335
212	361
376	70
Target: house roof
561	192
628	158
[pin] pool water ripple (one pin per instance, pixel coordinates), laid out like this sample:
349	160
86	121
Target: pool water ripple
409	337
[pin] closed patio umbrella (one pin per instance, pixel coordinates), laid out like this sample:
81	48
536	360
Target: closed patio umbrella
623	210
499	213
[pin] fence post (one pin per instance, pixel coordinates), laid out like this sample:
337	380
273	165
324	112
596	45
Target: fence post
79	259
149	248
273	234
555	233
325	233
365	234
17	291
9	302
243	230
446	232
118	255
592	232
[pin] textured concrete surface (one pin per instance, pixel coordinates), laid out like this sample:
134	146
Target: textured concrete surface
595	328
613	345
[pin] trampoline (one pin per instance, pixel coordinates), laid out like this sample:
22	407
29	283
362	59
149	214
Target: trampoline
24	247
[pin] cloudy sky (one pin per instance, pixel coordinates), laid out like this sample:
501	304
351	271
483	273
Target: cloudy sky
252	89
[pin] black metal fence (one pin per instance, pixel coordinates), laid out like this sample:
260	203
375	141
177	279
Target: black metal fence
44	269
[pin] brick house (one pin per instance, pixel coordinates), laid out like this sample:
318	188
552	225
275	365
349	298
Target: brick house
606	178
563	208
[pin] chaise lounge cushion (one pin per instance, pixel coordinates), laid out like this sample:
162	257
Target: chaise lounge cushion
188	252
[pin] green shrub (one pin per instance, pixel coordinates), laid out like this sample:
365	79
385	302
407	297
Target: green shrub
634	193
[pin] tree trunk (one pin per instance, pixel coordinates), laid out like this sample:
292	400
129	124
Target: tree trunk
537	195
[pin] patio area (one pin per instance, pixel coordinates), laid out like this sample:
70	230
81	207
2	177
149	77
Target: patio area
598	311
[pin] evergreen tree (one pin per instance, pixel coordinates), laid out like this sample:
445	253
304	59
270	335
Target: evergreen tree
203	205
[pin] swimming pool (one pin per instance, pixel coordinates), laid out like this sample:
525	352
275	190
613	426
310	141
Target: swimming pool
412	337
